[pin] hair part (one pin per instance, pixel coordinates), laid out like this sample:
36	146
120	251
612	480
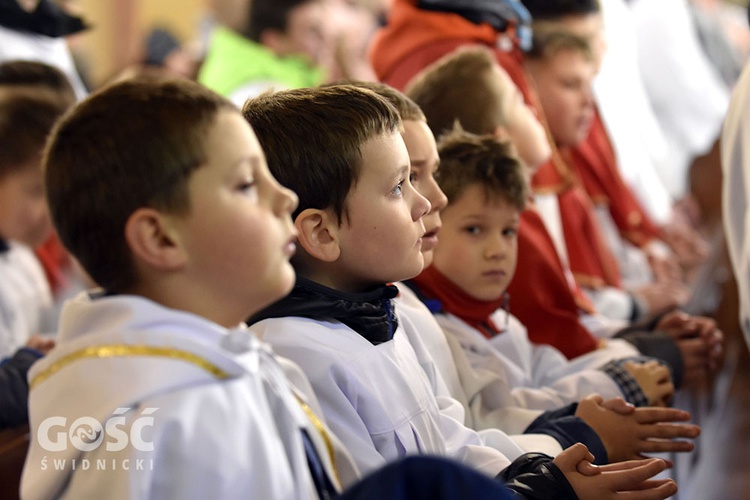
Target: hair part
313	139
456	89
132	144
468	159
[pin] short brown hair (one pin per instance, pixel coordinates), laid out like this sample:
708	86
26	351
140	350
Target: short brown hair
313	139
467	159
456	88
549	42
130	145
27	116
406	107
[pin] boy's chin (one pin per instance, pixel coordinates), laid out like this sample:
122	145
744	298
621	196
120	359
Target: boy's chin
427	259
412	272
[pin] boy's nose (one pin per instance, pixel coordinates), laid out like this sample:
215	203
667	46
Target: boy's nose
421	206
495	249
286	200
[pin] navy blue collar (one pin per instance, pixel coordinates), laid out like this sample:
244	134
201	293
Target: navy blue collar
371	314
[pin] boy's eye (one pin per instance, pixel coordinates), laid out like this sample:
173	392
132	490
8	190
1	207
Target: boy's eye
473	230
397	190
412	177
246	186
510	231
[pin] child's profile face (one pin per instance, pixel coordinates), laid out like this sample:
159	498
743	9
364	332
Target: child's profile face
478	244
563	81
381	238
24	215
522	126
238	234
423	156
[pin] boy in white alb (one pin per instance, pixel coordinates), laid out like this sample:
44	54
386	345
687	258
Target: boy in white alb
26	117
468	260
154	391
360	227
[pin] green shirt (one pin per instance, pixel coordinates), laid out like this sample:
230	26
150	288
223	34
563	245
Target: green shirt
233	61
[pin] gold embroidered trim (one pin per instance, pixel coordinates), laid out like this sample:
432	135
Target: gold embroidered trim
124	350
322	430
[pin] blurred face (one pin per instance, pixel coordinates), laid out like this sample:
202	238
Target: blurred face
478	244
381	238
522	127
238	234
563	82
24	215
423	156
305	32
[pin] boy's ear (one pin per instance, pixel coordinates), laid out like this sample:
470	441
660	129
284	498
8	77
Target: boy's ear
317	232
153	241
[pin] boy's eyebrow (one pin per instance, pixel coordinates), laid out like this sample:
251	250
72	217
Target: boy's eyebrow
403	169
253	161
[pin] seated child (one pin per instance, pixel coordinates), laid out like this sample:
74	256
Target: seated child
26	117
360	227
207	410
543	288
64	277
487	396
465	287
563	66
179	400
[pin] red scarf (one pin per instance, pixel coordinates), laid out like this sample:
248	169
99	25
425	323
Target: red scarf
55	260
543	299
476	313
596	165
591	260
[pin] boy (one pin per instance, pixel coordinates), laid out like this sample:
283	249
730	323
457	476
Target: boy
26	117
63	276
187	234
466	283
543	288
491	396
360	227
563	66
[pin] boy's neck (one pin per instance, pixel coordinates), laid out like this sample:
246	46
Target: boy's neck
327	276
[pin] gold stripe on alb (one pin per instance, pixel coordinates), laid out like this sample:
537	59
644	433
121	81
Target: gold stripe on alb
124	350
322	430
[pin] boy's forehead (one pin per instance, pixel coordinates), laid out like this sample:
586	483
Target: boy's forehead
480	194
